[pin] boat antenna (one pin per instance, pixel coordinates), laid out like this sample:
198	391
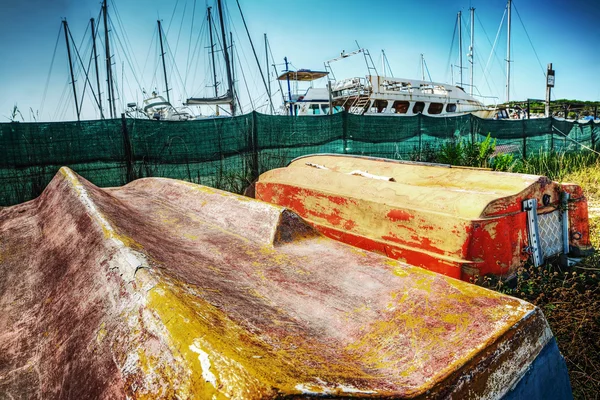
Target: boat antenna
162	55
212	54
71	67
226	55
96	64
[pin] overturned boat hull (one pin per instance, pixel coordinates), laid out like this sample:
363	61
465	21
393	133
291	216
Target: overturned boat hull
165	289
461	222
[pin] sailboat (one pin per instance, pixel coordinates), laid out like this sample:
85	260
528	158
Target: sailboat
159	108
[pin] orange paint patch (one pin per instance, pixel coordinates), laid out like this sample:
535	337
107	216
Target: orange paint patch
399	215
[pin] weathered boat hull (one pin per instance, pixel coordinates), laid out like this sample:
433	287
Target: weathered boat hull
460	222
165	289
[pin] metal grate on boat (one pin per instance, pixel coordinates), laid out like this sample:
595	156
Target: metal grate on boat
549	232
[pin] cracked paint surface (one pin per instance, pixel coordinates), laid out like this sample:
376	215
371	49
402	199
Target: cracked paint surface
455	221
165	289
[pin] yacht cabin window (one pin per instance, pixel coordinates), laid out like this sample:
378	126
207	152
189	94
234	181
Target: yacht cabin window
400	107
379	106
435	108
418	107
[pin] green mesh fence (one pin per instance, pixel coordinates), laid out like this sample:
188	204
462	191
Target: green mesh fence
228	153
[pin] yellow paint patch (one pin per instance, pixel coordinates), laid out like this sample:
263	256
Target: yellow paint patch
242	364
101	333
490	228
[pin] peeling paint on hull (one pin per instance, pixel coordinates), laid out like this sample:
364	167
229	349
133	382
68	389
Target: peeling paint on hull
165	289
455	221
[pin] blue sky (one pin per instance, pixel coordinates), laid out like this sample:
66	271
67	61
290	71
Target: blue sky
309	32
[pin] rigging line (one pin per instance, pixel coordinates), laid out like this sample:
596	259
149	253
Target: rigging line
50	71
174	53
86	73
238	37
245	83
451	49
61	101
173	16
127	48
254	51
427	69
278	81
187	63
575	141
492	52
175	66
154	34
388	65
530	42
193	57
126	58
484	76
180	28
154	81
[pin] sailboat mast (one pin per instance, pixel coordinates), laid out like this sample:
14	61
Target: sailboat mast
109	80
71	67
460	53
233	93
96	64
471	48
288	85
422	67
226	54
162	55
508	54
212	54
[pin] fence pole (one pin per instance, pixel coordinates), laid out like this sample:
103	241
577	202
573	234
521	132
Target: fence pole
551	134
254	147
471	128
419	120
345	131
127	149
524	141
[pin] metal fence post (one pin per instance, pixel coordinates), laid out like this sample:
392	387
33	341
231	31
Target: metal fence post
524	140
254	147
551	134
345	131
128	150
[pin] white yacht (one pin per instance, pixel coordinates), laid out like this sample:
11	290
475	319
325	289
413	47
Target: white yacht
378	95
158	108
381	95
